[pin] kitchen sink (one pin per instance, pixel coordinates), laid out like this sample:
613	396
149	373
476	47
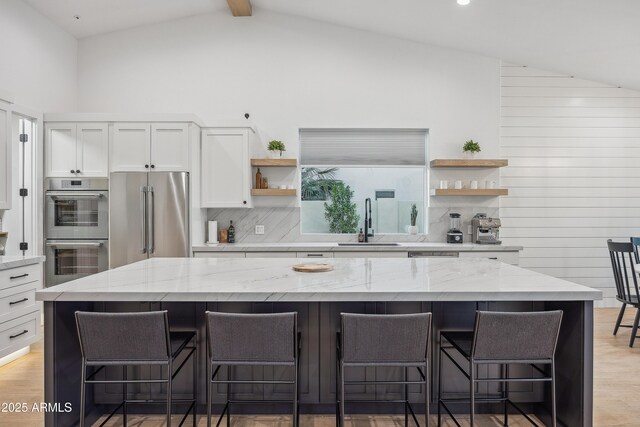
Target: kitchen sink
369	244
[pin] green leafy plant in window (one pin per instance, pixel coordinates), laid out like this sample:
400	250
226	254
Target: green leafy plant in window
340	212
317	183
414	215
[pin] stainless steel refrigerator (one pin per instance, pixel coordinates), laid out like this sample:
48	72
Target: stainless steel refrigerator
149	216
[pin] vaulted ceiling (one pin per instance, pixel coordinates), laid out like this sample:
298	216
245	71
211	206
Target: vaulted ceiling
592	39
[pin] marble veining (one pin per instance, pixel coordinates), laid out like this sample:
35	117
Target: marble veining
355	279
7	262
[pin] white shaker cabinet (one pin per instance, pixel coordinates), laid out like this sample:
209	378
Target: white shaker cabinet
130	148
143	147
5	155
76	149
225	168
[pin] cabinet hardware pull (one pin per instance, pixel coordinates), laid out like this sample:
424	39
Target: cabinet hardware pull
146	166
244	202
314	255
153	166
17	335
72	171
19	301
77	170
18	276
493	257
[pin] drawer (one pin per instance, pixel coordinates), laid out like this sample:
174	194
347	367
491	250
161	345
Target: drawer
17	300
19	332
511	257
271	254
20	275
314	254
373	254
218	254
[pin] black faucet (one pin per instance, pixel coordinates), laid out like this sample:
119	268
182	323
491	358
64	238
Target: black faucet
367	220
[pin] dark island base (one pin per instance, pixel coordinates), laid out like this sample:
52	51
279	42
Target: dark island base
318	322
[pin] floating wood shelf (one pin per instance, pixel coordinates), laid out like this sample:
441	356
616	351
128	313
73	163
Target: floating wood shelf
272	192
469	163
274	162
471	192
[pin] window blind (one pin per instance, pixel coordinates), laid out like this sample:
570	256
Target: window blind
361	147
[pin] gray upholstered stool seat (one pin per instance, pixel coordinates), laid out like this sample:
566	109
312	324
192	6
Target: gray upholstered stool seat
135	339
503	339
384	340
251	340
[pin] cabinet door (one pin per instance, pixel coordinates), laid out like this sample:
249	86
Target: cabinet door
93	149
60	150
5	156
225	168
130	147
170	147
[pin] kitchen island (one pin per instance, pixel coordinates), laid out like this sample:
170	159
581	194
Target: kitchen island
452	289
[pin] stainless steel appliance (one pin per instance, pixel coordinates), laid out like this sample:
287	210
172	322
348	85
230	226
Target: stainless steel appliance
485	231
76	228
454	235
76	208
149	215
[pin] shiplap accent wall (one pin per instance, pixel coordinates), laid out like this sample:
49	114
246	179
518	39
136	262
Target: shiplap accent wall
574	172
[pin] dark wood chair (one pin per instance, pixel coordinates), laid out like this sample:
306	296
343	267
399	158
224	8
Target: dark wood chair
624	257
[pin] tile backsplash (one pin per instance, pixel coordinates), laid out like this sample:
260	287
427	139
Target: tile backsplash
282	224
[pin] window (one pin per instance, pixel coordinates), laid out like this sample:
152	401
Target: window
341	168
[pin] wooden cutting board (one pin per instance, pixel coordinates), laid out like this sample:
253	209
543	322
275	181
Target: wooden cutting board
313	268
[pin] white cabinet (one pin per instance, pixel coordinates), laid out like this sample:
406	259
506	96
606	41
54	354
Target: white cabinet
508	257
5	155
225	168
372	254
314	254
219	255
76	149
143	147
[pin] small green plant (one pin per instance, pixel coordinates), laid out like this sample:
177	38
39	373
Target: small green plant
471	147
414	215
276	146
341	212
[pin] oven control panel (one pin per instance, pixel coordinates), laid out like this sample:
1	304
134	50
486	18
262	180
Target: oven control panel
74	184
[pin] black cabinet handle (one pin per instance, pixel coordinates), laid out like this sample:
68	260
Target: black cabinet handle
19	301
146	166
72	171
77	170
153	166
17	335
244	202
315	255
495	257
19	276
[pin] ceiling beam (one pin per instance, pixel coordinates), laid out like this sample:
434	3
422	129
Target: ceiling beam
240	7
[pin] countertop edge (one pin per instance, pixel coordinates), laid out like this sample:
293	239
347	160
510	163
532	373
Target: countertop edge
333	247
11	262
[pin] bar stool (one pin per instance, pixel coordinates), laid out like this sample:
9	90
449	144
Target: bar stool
134	339
387	340
624	256
501	338
251	340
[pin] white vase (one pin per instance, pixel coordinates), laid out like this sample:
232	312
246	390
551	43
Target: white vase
412	229
469	154
275	154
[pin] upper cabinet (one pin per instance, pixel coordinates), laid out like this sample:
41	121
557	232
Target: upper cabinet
5	155
76	150
141	147
225	168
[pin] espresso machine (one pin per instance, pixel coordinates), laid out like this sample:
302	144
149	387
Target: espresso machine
485	231
454	235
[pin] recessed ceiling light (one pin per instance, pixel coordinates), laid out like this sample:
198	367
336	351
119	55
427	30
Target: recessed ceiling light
464	2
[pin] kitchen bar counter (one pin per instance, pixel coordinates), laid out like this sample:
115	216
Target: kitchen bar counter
7	262
450	288
334	247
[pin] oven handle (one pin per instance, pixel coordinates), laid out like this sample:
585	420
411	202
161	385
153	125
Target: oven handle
73	195
92	244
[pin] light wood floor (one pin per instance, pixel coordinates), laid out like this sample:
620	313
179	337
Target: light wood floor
616	385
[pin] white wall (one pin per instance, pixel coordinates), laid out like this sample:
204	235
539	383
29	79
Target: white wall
39	60
290	72
574	160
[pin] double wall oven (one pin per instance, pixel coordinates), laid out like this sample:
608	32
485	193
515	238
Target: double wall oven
76	228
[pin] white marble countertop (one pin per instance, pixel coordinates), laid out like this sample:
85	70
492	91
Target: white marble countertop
355	279
334	247
7	262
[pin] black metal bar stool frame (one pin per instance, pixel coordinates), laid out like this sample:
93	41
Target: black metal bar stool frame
214	368
188	343
422	368
450	341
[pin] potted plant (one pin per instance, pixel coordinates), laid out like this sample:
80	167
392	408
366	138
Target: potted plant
470	148
275	149
413	228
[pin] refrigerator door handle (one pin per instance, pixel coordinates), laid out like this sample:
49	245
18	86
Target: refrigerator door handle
152	221
143	217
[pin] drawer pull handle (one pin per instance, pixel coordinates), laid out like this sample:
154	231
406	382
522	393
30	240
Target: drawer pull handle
19	301
19	276
17	335
314	255
493	257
